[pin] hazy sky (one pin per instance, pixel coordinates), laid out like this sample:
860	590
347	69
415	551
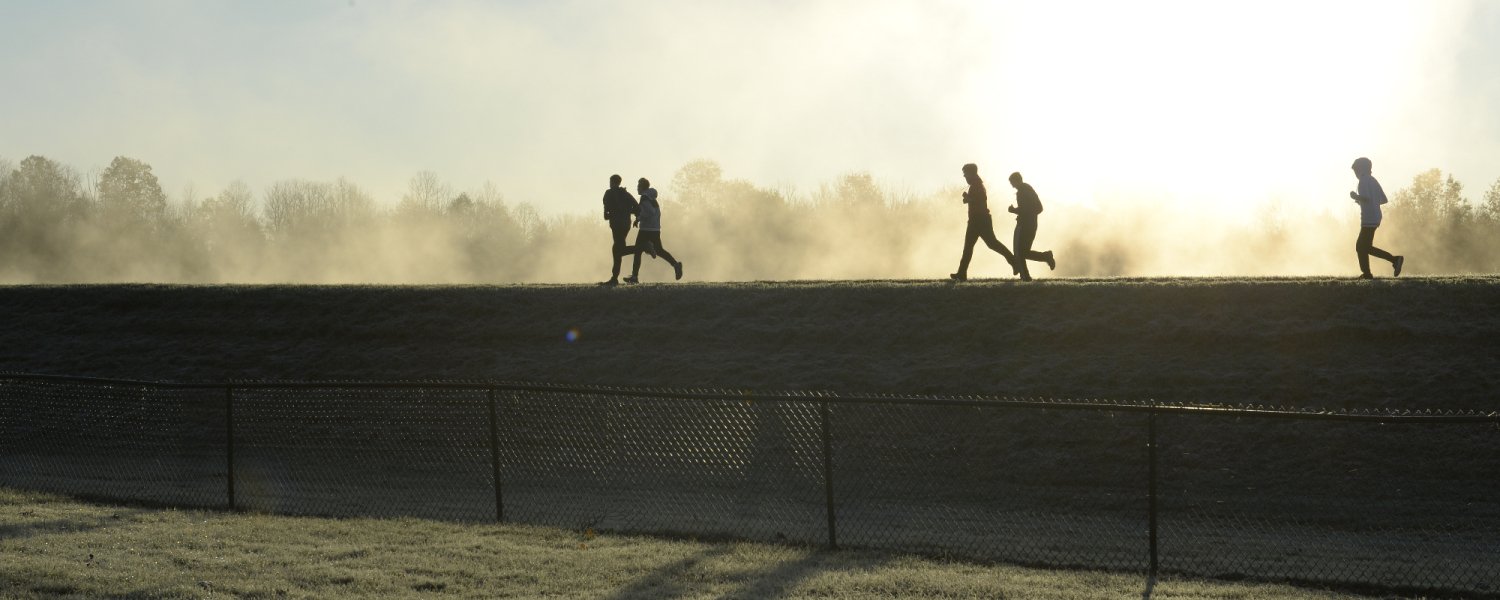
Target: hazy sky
1213	104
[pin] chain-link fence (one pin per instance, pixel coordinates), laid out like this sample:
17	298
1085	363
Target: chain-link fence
1386	501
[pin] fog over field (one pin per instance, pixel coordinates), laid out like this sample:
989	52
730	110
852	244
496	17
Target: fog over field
56	227
394	142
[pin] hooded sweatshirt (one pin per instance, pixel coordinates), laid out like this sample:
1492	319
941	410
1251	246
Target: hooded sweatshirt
650	211
1369	208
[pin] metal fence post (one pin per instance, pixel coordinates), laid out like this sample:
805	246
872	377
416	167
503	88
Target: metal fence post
833	539
1151	486
495	458
229	442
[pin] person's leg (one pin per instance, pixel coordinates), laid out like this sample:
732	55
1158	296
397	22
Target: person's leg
635	263
643	241
1025	233
662	252
633	251
1362	249
1377	252
619	249
987	233
648	242
1396	261
971	235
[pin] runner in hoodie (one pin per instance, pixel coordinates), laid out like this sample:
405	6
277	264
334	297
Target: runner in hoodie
1027	207
980	224
649	238
1369	197
619	205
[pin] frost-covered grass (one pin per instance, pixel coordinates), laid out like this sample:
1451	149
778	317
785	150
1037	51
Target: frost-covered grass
54	547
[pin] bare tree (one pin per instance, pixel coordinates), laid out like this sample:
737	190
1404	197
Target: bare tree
348	204
530	221
425	195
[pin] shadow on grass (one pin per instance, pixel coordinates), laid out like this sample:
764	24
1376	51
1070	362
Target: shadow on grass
674	580
70	591
15	531
778	582
668	580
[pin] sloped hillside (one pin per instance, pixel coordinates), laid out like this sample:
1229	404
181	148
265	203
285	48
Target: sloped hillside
1412	342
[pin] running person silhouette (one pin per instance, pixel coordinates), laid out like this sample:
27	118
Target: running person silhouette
649	238
1027	207
981	226
1369	197
619	205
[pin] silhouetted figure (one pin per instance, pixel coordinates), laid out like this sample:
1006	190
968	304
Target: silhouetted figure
1027	207
649	238
980	224
1369	197
619	205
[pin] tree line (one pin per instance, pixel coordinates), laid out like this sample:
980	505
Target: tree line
57	226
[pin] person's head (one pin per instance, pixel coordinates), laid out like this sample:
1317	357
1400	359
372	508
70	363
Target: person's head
1015	179
1361	167
614	181
971	173
643	185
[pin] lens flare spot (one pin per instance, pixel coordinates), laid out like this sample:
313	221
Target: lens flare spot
572	335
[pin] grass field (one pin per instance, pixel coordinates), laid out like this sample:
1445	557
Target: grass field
1414	343
1255	489
54	547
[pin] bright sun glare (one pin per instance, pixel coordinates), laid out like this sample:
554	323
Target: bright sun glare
1199	104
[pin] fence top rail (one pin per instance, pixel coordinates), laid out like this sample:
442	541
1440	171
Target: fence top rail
707	394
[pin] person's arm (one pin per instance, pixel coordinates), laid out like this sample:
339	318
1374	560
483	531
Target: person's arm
606	206
1027	203
644	200
1369	192
975	194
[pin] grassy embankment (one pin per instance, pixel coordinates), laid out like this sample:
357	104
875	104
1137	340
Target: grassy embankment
1413	343
55	547
1423	343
